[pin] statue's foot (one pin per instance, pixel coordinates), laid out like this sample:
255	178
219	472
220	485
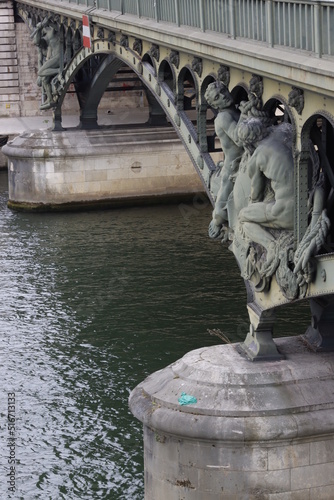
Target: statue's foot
217	232
47	105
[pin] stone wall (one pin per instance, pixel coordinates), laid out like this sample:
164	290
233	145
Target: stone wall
9	85
28	94
78	168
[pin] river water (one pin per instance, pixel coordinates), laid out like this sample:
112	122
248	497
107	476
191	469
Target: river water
91	303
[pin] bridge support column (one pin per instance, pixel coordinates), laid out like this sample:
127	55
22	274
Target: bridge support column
257	430
88	122
157	116
57	117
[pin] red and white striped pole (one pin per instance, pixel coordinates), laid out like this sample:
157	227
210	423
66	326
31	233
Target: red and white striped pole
86	32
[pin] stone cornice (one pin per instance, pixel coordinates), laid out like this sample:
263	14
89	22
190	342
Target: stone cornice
289	66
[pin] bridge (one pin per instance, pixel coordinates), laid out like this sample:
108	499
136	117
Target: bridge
254	79
177	48
273	59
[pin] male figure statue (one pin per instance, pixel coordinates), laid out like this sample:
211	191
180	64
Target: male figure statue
218	97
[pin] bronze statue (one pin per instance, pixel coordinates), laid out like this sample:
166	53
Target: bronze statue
226	123
46	37
255	210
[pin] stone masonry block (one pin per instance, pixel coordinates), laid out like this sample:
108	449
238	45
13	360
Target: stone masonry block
322	493
296	495
235	482
312	476
224	456
8	34
96	175
93	187
322	452
165	447
6	25
7	48
54	178
164	490
6	16
285	457
74	177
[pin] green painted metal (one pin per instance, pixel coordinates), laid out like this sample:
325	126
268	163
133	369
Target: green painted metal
305	25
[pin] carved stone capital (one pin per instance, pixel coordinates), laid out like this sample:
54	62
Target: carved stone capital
296	99
197	65
155	52
224	75
256	85
138	46
100	33
112	37
124	41
174	58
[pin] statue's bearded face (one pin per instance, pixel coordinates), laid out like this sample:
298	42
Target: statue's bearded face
48	33
218	96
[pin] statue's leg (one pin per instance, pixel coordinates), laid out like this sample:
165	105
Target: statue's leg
226	187
259	344
320	335
50	67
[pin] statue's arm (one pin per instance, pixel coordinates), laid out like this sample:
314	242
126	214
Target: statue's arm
258	181
232	128
226	125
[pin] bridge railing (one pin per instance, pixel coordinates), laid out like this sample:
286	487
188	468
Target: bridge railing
305	25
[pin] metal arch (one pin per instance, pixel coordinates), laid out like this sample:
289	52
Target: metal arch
154	63
241	86
202	162
310	121
213	77
287	109
172	69
302	174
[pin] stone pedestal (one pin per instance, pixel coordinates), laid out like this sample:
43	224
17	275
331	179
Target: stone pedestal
61	170
259	431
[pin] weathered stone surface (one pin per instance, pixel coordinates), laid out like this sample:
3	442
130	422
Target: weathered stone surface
258	430
55	168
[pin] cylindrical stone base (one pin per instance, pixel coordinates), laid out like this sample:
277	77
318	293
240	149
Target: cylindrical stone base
259	431
106	167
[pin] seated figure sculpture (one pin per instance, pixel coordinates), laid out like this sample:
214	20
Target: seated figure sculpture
218	97
256	201
271	203
256	196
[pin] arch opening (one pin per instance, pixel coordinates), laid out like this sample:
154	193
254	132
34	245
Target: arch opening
187	94
278	111
167	76
318	157
205	123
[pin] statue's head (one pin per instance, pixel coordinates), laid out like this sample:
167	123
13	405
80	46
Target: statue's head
256	85
251	131
218	96
49	32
